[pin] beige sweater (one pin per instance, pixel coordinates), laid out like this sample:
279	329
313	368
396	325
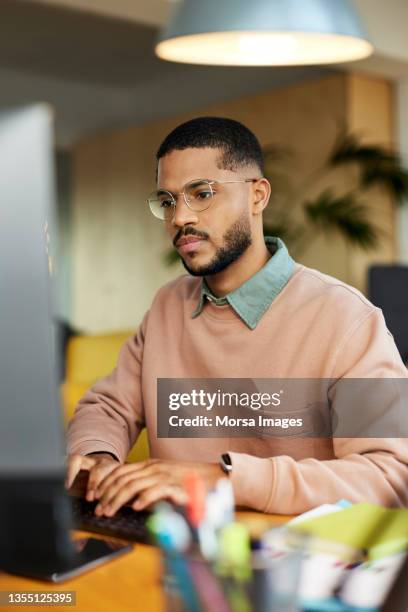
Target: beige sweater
317	327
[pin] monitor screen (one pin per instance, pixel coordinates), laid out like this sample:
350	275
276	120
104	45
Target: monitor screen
31	426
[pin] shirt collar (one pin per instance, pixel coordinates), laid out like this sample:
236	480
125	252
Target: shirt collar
253	298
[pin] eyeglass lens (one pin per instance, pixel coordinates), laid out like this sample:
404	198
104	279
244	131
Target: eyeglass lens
198	195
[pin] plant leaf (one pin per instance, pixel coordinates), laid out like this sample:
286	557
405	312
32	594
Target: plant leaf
276	229
349	149
389	176
344	214
171	257
378	166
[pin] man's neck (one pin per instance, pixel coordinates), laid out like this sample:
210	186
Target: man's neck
237	273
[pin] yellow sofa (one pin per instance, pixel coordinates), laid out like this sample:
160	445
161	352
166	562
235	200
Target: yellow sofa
89	358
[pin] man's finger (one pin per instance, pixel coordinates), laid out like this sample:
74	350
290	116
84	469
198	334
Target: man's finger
122	482
110	491
97	474
124	470
160	492
124	495
75	464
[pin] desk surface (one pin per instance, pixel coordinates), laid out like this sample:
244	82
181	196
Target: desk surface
131	582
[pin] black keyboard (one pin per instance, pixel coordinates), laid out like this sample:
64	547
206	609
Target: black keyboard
126	524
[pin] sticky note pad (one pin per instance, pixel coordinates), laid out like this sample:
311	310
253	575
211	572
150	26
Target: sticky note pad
381	531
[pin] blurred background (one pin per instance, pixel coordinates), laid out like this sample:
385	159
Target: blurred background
335	138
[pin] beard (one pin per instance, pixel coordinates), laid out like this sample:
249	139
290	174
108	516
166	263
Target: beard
236	240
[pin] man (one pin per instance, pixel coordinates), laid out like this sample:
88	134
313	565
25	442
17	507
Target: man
245	309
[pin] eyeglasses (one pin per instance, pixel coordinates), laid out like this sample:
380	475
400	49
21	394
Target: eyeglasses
197	194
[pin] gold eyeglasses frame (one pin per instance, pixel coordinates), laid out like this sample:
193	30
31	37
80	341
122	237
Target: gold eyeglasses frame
173	197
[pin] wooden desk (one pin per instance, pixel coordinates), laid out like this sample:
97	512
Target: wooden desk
129	583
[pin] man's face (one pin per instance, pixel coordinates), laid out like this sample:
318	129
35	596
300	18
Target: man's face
223	231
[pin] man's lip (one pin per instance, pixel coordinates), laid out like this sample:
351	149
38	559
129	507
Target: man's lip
187	240
189	247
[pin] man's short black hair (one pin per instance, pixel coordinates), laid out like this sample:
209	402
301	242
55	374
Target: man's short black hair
239	146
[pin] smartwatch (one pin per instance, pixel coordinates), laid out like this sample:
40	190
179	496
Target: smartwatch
103	453
226	464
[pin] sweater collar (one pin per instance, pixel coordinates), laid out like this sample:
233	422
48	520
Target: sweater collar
251	300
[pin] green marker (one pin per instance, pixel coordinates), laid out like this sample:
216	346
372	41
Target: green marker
234	565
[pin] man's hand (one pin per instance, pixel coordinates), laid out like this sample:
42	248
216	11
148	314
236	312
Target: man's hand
98	465
148	482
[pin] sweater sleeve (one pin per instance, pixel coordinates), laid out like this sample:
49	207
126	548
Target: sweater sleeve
364	469
110	416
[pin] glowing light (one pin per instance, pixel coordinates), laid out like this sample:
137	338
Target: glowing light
263	48
263	33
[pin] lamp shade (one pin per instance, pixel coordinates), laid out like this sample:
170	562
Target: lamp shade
263	33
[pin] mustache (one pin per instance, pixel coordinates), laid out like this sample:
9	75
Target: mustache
189	231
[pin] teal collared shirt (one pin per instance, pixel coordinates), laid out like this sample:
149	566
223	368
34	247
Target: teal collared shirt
251	300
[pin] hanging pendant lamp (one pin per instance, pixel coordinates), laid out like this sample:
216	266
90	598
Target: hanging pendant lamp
263	33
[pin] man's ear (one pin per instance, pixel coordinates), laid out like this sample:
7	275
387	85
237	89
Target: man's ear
262	193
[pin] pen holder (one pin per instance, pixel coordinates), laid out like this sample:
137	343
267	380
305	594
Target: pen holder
275	581
192	584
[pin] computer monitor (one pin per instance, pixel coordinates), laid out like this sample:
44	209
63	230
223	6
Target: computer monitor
35	512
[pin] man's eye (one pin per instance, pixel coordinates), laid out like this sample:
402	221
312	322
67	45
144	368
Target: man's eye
203	194
166	203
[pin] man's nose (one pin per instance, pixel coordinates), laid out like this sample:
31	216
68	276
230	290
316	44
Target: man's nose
183	215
